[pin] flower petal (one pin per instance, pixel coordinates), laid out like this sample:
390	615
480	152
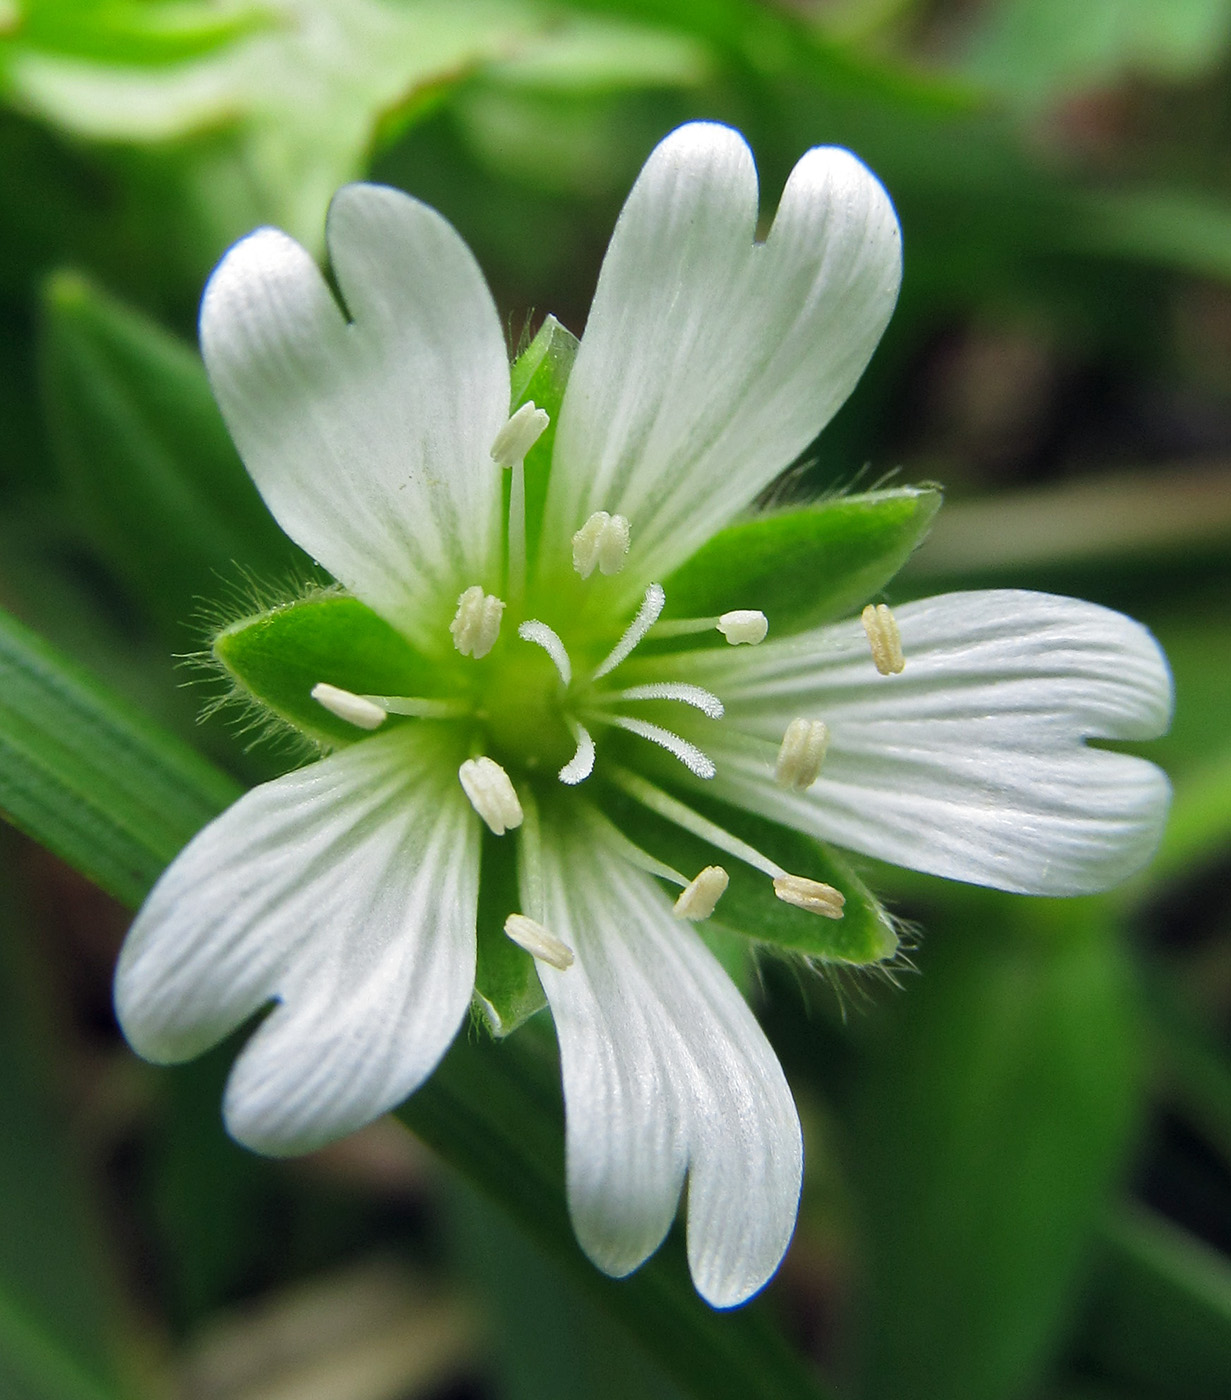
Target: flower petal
971	763
665	1071
345	891
709	361
369	440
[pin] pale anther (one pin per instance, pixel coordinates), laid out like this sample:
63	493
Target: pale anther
884	639
700	895
812	895
491	793
354	709
801	753
601	543
537	941
476	624
519	435
743	627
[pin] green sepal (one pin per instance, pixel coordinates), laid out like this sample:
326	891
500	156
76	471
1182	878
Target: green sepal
805	566
540	376
278	656
863	935
507	991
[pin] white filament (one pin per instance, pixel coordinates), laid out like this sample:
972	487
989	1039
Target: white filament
581	765
697	763
546	637
696	696
651	606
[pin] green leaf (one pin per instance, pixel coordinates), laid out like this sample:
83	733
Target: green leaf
299	104
749	906
278	656
805	566
129	33
58	1316
150	469
90	777
506	985
1160	1310
990	1127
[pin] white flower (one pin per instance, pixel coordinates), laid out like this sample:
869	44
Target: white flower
346	892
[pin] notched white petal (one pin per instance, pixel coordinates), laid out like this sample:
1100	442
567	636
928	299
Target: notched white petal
491	793
666	1073
884	639
538	941
744	627
699	898
476	624
812	895
601	543
519	435
801	753
345	893
345	704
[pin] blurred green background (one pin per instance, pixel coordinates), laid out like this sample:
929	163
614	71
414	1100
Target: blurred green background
1019	1159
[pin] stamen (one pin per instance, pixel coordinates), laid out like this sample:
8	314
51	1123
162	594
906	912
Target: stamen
602	543
476	624
581	765
536	940
612	836
682	815
652	605
697	763
704	700
549	640
884	639
812	895
702	894
419	708
802	753
491	793
519	435
354	709
744	627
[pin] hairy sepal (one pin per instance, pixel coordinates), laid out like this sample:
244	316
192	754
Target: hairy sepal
805	566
